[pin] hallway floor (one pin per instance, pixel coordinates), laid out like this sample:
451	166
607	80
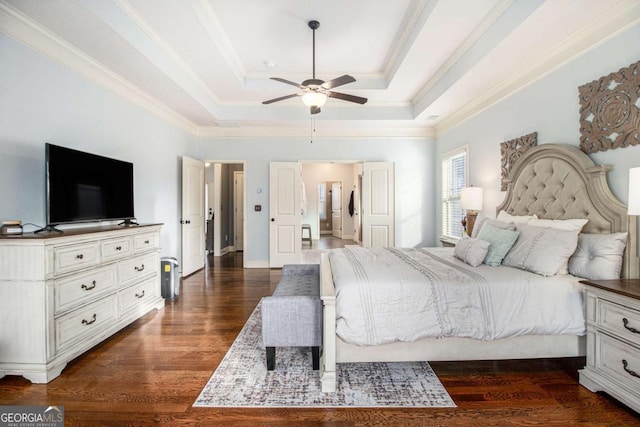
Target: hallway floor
311	255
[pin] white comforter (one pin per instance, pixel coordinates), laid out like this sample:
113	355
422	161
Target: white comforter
388	294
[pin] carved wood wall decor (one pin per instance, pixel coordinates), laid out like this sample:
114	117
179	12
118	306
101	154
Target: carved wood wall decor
510	151
609	111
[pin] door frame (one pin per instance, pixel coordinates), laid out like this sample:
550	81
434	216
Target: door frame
217	191
238	214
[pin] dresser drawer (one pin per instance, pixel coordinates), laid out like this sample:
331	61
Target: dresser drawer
138	268
146	241
619	320
115	248
75	257
85	322
84	287
137	295
619	361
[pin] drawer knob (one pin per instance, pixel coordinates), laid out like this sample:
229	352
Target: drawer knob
139	268
146	242
88	322
79	256
118	248
625	322
140	295
629	371
88	288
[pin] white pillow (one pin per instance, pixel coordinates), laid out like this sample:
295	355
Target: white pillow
559	224
515	219
541	250
472	251
598	256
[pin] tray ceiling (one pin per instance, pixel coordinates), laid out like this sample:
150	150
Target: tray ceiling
424	65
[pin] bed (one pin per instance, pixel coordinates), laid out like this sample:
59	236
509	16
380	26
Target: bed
551	181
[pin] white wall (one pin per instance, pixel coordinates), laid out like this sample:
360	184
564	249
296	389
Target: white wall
415	187
550	106
41	101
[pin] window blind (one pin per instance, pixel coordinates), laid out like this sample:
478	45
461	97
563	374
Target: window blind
454	179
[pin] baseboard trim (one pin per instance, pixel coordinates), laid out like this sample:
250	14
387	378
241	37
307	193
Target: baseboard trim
256	264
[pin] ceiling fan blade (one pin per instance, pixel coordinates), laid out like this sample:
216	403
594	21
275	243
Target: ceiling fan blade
282	98
346	97
288	82
342	80
314	109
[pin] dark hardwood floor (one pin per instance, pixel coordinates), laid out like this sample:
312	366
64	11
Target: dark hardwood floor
152	371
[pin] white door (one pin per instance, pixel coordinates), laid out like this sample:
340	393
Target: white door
238	210
377	210
285	234
193	222
336	209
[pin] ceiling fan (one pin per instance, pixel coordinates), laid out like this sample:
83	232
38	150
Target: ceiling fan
314	92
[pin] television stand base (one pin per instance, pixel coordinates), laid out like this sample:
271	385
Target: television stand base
128	222
49	229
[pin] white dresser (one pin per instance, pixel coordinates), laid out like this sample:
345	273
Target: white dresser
62	294
613	340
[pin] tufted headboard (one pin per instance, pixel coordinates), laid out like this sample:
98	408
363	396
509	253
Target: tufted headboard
556	181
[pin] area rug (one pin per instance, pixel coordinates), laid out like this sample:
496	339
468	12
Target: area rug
242	380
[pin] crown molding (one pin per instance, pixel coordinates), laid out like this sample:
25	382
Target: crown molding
593	34
130	11
21	28
320	132
212	26
473	38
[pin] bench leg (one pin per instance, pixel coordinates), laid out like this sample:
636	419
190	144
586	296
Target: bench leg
271	358
315	356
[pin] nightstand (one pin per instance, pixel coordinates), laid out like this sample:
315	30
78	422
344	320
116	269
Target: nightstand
613	339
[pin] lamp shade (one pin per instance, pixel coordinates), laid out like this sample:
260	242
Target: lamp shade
471	198
634	191
314	99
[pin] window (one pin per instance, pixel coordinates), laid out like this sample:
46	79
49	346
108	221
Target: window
321	201
454	178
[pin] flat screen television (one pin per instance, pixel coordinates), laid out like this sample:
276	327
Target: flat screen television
84	187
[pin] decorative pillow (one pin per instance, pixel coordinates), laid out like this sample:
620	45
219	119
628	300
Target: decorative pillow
472	251
521	219
599	256
559	224
541	250
494	222
500	242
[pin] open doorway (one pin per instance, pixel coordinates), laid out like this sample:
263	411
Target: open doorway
328	187
225	207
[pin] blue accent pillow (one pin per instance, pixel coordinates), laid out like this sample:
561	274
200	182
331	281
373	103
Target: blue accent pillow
500	242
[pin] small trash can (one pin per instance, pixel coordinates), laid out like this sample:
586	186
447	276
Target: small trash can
170	278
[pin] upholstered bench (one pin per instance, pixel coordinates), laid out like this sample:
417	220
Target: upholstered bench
292	316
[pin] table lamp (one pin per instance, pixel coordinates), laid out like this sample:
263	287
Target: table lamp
471	200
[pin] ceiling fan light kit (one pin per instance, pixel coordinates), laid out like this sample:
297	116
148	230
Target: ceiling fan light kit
315	92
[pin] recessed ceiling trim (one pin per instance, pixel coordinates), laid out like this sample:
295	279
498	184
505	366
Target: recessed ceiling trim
320	132
501	22
212	26
23	29
592	34
473	38
416	22
182	75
